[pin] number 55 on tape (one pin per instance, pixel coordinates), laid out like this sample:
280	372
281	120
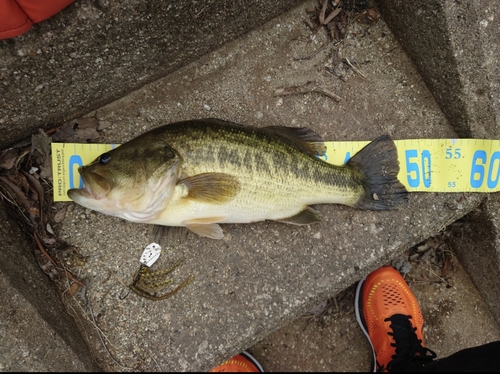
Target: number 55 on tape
437	165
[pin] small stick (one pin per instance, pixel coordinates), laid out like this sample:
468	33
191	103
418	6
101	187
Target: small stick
309	23
332	15
357	70
42	249
321	17
312	54
306	88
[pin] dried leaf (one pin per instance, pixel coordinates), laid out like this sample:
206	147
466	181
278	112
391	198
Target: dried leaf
34	184
47	266
16	193
71	290
34	213
446	265
372	14
41	143
318	309
61	214
47	240
103	125
423	248
83	130
46	168
49	229
19	180
8	158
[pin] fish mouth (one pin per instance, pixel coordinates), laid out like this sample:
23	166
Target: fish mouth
95	187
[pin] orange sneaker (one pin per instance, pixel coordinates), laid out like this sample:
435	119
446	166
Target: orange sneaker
241	363
391	319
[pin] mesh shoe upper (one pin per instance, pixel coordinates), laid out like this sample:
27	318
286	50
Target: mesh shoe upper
390	317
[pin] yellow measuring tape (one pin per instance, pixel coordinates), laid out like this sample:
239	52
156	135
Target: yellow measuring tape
437	165
426	165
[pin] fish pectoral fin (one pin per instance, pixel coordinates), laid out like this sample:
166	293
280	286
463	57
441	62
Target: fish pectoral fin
215	188
305	217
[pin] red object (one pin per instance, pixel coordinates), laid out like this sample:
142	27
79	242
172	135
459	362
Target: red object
17	16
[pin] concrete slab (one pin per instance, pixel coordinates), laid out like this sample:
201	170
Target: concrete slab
462	72
461	68
94	52
36	332
456	317
260	276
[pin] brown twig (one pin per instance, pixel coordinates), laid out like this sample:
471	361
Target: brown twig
356	70
307	88
332	15
42	248
312	54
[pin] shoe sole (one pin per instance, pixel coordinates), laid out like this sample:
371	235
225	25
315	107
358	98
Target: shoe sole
252	359
361	319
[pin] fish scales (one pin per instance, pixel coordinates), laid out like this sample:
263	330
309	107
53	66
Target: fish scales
275	179
266	158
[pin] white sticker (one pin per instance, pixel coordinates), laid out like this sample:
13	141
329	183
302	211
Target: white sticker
150	254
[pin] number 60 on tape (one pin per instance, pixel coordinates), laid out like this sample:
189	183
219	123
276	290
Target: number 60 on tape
437	165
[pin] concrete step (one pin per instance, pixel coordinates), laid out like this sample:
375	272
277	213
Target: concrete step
37	332
261	276
456	317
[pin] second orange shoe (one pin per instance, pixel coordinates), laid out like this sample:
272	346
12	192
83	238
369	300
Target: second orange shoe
241	363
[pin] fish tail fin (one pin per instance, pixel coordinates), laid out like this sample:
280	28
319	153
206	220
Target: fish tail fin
378	162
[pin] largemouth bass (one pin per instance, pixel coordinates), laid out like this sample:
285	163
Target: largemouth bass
200	173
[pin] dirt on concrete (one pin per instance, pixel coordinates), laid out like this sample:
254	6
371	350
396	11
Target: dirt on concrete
329	338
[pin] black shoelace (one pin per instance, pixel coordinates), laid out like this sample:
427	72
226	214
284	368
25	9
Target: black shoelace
410	354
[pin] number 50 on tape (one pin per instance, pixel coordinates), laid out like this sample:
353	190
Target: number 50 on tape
426	165
437	165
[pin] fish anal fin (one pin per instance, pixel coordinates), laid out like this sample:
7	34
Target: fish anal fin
215	188
305	217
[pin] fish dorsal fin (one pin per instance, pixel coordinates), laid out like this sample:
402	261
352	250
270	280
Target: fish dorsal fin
215	188
305	217
212	231
302	137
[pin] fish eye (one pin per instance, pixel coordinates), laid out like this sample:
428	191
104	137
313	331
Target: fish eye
104	158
